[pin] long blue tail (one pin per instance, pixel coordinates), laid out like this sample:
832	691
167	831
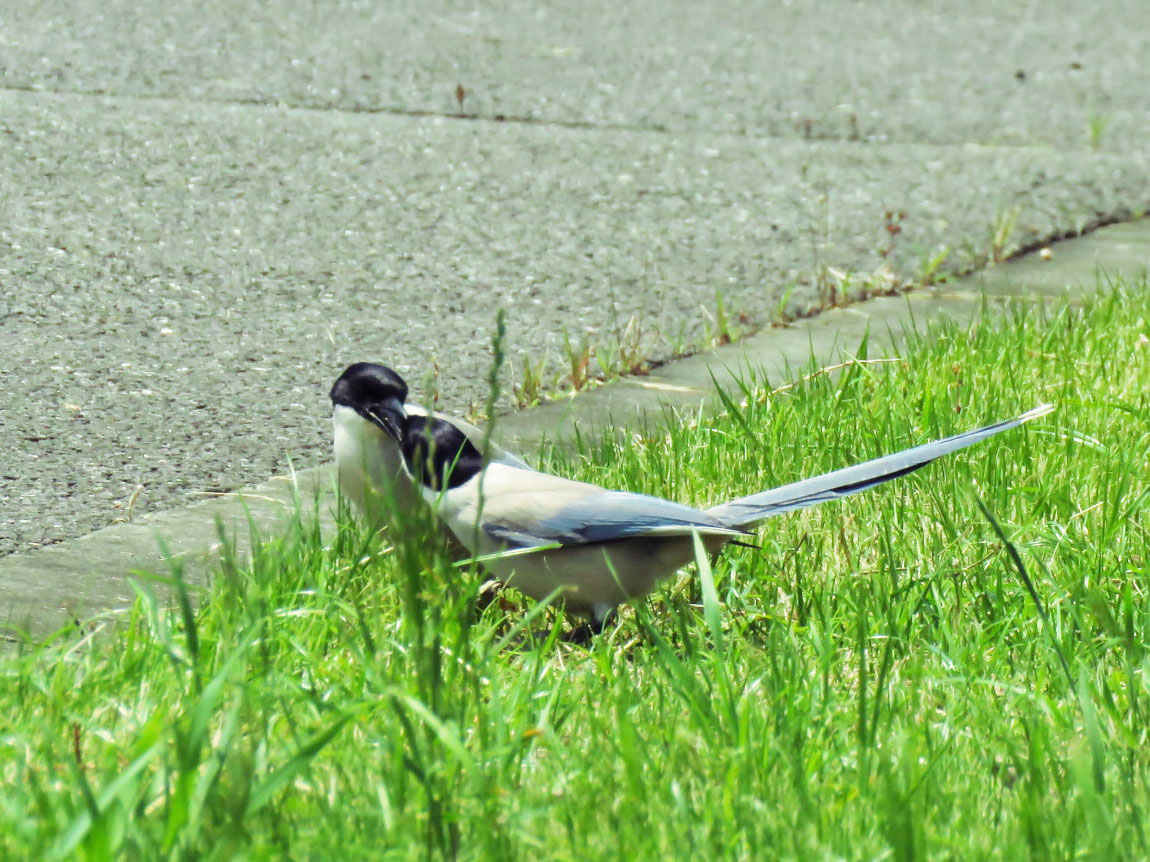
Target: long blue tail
747	511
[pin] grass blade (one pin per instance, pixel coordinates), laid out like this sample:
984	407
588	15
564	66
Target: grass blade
711	612
1016	558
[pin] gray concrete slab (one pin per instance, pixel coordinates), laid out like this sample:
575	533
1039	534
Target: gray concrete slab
1036	73
75	579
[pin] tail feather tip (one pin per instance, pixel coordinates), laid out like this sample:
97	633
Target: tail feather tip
1038	412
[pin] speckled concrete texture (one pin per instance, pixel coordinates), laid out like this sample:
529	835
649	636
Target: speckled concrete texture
206	211
1028	73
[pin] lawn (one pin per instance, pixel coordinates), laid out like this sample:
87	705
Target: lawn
954	666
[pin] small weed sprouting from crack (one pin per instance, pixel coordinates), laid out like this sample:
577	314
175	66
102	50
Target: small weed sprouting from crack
719	328
626	355
780	316
718	325
820	238
579	358
528	389
1005	221
929	267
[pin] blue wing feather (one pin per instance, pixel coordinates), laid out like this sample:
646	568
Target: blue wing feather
607	517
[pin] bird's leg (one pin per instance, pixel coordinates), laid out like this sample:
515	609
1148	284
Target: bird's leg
601	614
582	634
488	592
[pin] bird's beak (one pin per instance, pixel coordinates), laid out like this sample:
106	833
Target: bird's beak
387	415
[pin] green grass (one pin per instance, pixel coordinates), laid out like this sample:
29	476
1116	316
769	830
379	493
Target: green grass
875	682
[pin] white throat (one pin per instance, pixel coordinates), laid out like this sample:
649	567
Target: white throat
369	463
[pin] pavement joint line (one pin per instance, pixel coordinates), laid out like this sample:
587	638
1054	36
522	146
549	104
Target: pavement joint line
90	576
389	110
579	125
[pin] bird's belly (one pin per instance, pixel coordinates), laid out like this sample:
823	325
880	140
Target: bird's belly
602	574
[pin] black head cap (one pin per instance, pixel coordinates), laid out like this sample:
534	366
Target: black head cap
375	392
438	454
